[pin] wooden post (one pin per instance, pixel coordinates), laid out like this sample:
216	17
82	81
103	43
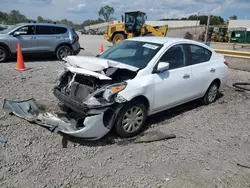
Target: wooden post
208	22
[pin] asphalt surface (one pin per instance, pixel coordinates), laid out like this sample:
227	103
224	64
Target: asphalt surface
210	140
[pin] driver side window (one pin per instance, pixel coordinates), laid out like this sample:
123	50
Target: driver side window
26	30
175	56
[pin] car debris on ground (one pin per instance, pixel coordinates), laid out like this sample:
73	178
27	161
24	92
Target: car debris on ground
244	166
3	140
30	111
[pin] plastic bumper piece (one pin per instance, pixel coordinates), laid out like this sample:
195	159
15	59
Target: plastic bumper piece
92	128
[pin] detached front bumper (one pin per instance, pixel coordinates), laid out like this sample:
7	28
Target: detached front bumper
93	129
88	128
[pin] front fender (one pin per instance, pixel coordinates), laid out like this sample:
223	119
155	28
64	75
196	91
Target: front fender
138	87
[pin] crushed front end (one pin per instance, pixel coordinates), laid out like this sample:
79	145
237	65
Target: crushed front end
96	98
89	87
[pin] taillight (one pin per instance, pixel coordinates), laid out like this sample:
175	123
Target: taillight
226	63
76	38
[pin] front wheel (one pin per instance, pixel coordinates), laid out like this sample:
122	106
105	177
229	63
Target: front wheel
63	51
131	119
211	94
3	54
117	38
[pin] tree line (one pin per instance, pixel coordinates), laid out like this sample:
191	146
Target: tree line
105	14
214	20
15	16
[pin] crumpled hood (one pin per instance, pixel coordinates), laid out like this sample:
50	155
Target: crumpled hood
95	64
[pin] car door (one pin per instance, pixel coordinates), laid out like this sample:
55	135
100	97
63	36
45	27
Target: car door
172	87
26	38
203	70
49	37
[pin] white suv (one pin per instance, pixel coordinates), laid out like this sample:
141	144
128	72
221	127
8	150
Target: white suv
136	78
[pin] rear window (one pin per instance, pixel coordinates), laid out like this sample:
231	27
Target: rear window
74	32
50	30
199	54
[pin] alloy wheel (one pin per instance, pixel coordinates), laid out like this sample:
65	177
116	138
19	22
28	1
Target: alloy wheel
64	52
212	93
132	119
2	54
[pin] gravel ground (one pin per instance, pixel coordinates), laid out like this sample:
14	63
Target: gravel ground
210	141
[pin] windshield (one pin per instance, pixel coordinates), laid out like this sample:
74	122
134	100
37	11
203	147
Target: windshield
5	31
133	53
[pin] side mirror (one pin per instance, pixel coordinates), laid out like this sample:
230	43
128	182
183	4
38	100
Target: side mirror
162	66
16	34
122	18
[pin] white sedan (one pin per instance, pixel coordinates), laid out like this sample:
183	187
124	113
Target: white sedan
136	78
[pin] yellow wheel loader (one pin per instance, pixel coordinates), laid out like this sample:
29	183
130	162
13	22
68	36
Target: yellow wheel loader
133	26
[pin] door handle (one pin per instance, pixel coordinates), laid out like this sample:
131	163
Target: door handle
57	37
32	37
186	76
212	70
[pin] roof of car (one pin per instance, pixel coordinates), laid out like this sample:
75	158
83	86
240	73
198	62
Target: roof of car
166	40
158	40
48	24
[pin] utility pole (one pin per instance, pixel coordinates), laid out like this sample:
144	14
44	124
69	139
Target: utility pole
197	22
208	22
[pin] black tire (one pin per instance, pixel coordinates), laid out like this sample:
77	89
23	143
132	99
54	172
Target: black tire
211	94
121	131
63	51
3	54
117	38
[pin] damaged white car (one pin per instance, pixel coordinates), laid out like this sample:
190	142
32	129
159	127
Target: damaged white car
136	78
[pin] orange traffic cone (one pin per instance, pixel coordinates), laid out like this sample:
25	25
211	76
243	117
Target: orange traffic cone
20	63
101	49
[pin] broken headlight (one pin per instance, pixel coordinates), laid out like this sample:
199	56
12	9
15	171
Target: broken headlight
92	101
110	93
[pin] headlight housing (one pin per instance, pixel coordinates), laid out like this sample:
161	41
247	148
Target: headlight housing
59	76
92	101
111	91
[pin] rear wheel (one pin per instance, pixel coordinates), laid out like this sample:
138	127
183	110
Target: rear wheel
3	54
63	51
211	94
131	119
118	37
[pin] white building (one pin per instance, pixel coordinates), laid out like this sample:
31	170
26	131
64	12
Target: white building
175	23
239	24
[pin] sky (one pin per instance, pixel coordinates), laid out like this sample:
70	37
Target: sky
80	10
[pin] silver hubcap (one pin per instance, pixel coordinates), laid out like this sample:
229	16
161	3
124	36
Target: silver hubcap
212	93
64	52
132	119
2	54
